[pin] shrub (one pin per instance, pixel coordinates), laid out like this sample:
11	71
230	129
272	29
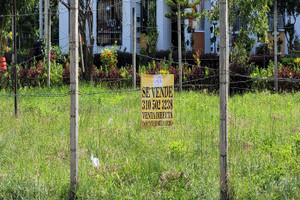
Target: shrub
66	73
33	76
262	61
289	73
5	79
264	78
294	63
57	54
240	80
258	74
108	58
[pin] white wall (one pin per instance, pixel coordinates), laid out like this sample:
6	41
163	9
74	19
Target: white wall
127	24
163	26
126	27
63	28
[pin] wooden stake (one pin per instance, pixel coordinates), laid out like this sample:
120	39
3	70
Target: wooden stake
275	47
49	48
15	56
74	96
41	18
179	47
134	48
224	87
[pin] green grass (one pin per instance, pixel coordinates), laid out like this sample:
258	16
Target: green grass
180	162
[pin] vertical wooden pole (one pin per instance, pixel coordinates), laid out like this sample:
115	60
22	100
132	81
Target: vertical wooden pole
275	46
46	24
81	53
224	87
49	48
74	96
134	47
41	18
179	47
15	56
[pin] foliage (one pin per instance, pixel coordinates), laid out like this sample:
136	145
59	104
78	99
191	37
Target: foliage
36	75
6	44
263	49
202	74
290	8
264	76
33	76
292	62
108	58
196	56
253	16
240	54
177	149
184	4
262	61
186	12
5	79
151	37
59	56
56	73
263	73
27	21
28	25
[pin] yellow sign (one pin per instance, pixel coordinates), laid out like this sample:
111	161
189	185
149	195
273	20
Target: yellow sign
157	100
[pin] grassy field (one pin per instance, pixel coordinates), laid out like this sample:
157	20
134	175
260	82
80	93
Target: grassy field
179	162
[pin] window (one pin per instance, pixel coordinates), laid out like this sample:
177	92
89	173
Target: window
280	23
109	22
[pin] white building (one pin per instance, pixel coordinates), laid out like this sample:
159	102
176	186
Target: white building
112	21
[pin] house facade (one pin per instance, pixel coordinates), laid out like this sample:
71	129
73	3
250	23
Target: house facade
112	22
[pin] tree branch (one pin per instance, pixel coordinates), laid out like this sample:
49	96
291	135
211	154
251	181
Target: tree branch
67	5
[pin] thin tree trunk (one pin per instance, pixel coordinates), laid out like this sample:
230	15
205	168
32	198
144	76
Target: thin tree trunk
86	15
92	40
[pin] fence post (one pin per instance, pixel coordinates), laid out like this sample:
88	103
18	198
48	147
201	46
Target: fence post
46	23
15	56
74	96
134	48
179	46
275	47
41	18
49	48
224	86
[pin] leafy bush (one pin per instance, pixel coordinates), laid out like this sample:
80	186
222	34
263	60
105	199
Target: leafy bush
59	56
5	79
240	80
288	75
262	73
66	73
176	148
125	58
262	61
108	58
32	77
294	63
